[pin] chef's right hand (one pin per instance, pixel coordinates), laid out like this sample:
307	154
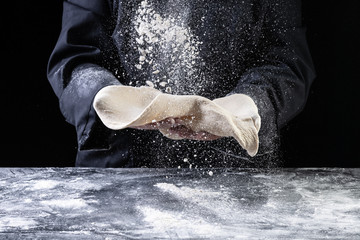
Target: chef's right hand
174	128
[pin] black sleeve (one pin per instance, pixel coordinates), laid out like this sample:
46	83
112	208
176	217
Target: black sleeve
280	78
77	69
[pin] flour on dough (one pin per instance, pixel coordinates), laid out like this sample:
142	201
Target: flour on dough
122	107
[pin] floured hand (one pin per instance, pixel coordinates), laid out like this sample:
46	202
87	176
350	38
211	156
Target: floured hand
174	128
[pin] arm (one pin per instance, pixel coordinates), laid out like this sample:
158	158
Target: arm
280	78
75	68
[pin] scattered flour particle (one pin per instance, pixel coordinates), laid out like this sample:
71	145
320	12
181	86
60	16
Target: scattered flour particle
168	89
142	58
150	84
140	40
163	84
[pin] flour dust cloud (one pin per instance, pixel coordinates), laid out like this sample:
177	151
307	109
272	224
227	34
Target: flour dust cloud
169	53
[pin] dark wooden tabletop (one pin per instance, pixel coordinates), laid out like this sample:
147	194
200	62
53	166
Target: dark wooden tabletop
77	203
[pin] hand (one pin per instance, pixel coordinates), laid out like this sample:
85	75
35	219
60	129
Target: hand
174	128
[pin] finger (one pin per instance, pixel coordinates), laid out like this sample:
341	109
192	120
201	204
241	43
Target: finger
165	124
204	136
168	123
150	126
178	131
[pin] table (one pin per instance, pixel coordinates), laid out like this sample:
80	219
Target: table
86	203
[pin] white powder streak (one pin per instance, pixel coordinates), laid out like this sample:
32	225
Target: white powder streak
65	203
188	193
328	213
45	184
167	48
218	202
16	222
177	225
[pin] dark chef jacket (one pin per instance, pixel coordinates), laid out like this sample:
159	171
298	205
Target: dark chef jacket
254	47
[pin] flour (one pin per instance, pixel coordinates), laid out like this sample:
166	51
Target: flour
175	224
86	77
186	224
189	193
45	184
24	223
65	203
168	50
218	202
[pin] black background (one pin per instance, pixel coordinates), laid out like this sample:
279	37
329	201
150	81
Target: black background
35	134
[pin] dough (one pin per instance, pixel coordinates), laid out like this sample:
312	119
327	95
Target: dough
121	107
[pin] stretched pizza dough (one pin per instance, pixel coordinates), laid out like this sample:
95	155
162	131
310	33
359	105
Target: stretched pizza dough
122	107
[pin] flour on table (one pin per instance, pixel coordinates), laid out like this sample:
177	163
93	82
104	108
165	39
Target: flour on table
188	193
24	223
45	184
218	202
175	224
184	223
65	203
